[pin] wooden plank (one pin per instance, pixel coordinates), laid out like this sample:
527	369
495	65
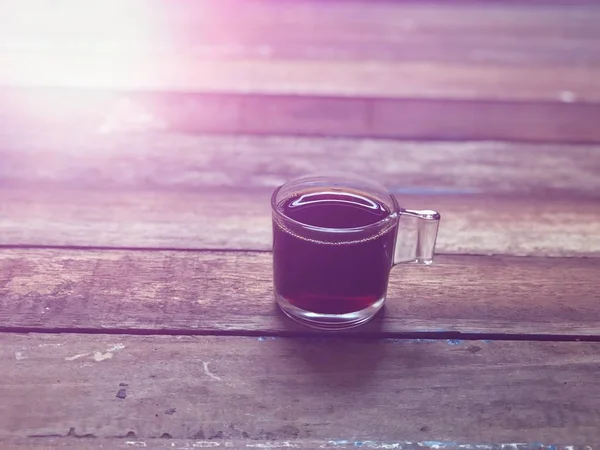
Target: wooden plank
234	220
180	73
564	120
467	70
182	161
461	31
311	18
308	444
254	388
200	292
314	49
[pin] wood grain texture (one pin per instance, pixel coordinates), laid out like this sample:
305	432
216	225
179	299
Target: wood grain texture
254	388
461	31
180	73
392	69
513	32
565	120
183	161
234	220
200	292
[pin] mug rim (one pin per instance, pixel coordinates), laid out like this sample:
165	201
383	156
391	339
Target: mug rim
390	217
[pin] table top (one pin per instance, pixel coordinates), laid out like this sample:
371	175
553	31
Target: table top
136	167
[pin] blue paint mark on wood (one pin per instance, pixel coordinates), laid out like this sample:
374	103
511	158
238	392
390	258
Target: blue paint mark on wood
338	442
439	444
411	341
431	341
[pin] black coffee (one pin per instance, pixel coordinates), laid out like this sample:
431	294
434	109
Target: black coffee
332	278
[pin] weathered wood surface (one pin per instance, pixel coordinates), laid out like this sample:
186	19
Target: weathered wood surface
224	388
235	220
170	190
561	121
394	69
205	292
446	51
74	442
184	161
75	172
502	32
180	73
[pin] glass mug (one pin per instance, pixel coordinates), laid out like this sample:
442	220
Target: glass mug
335	240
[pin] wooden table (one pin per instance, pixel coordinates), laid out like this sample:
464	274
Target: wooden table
136	304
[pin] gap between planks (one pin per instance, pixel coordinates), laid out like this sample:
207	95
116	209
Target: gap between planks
165	443
454	338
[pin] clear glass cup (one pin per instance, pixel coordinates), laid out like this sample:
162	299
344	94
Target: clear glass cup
336	238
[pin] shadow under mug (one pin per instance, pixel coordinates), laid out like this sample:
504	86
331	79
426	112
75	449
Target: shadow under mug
335	241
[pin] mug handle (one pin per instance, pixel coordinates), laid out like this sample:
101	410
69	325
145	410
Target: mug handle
417	242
